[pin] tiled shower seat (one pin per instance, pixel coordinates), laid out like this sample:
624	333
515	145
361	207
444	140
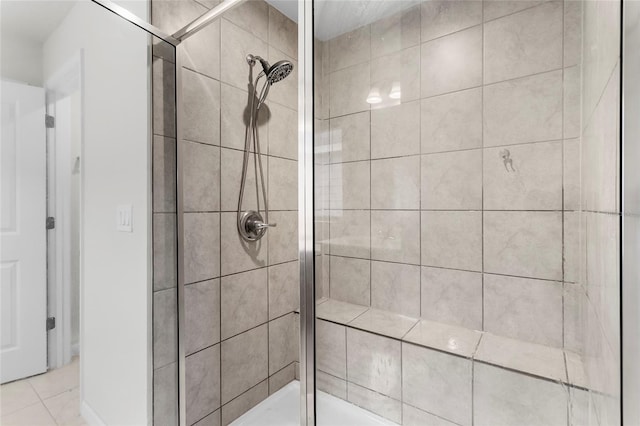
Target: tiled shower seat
450	373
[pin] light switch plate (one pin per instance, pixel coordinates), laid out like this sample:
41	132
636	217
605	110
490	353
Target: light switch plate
124	218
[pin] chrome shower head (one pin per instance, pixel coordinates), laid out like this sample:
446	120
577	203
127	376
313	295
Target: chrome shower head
276	72
279	71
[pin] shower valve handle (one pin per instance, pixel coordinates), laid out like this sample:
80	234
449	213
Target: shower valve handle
251	225
262	225
255	223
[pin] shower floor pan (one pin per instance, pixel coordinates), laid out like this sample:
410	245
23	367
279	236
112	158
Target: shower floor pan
283	409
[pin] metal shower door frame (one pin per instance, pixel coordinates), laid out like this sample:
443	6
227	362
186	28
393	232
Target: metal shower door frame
137	21
306	234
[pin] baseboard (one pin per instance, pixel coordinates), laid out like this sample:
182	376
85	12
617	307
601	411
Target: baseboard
91	417
75	349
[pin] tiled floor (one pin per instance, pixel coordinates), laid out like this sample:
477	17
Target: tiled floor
48	399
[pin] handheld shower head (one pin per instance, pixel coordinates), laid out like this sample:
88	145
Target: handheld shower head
263	62
279	71
251	226
276	72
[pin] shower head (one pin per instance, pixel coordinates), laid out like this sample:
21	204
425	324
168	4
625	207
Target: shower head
276	72
279	71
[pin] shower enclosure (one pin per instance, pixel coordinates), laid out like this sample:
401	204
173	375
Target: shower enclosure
332	212
445	177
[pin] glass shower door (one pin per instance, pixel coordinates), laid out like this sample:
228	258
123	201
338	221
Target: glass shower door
461	274
368	160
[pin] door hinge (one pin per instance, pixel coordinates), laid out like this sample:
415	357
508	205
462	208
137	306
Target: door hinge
51	222
49	121
51	323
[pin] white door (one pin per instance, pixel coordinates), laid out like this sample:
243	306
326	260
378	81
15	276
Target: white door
23	268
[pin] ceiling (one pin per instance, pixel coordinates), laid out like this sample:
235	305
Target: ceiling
32	20
336	17
36	20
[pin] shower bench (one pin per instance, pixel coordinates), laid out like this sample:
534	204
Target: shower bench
415	371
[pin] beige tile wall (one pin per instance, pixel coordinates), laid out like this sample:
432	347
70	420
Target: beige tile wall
530	252
425	218
448	384
241	336
598	296
476	77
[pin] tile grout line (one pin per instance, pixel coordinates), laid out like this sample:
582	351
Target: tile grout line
219	236
562	167
482	200
591	118
368	308
482	203
222	340
330	174
346	363
402	381
444	211
559	281
370	178
417	323
479	86
232	274
422	309
42	400
566	365
421	41
453	151
154	219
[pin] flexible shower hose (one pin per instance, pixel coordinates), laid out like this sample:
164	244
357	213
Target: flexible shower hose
251	134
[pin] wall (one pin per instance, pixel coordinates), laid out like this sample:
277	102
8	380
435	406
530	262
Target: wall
115	305
600	204
240	327
457	202
21	60
75	161
426	217
631	217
